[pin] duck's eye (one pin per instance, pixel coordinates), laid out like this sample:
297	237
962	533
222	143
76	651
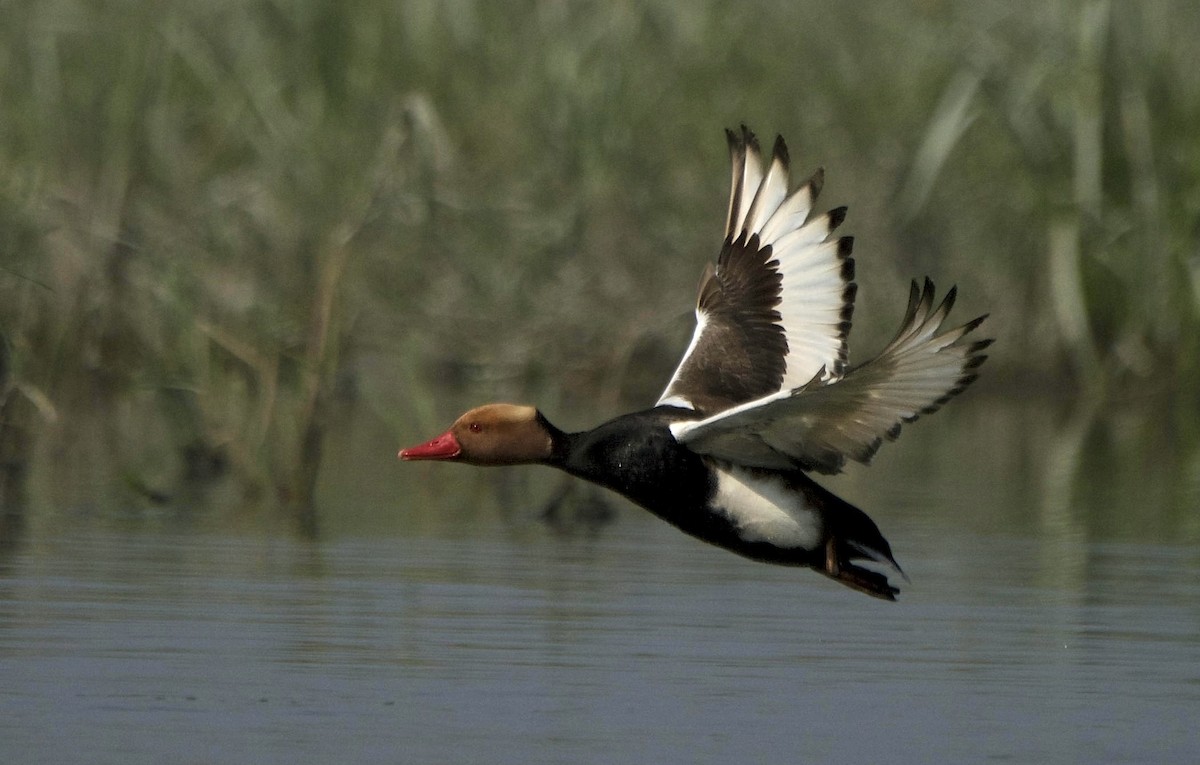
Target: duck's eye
474	427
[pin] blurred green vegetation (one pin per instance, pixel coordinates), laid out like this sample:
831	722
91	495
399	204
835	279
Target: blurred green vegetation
228	227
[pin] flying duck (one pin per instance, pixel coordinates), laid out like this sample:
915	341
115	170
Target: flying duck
763	395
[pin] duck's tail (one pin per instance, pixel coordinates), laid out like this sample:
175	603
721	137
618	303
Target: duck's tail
854	536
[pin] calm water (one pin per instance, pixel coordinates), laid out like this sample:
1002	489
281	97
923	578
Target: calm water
635	645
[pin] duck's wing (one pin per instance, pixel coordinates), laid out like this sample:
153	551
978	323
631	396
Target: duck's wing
818	426
775	311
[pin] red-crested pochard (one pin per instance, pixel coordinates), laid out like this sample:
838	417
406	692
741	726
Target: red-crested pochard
762	396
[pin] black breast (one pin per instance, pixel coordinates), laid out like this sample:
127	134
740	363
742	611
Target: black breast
635	455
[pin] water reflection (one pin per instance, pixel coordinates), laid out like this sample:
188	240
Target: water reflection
996	466
640	645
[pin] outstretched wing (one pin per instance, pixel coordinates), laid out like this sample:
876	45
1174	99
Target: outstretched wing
818	426
775	311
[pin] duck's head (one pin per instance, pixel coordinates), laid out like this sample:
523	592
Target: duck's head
495	434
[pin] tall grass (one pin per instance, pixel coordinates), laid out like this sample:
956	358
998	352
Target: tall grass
223	224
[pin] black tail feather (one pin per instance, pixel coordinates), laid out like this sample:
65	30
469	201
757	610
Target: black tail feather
854	536
864	580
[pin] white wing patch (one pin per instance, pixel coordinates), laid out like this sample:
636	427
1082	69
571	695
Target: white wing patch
813	307
744	445
814	281
680	401
766	369
819	426
815	271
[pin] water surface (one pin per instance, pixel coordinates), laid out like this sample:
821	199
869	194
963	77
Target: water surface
635	645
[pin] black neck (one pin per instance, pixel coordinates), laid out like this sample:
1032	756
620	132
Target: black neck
560	442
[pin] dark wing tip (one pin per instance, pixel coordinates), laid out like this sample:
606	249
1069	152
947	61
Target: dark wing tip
927	293
868	451
973	323
816	182
845	247
951	296
979	345
848	296
749	139
780	151
963	383
847	269
836	216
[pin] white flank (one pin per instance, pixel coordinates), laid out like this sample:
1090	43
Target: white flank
765	509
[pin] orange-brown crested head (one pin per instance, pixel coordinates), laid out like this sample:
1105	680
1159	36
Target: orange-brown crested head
495	434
